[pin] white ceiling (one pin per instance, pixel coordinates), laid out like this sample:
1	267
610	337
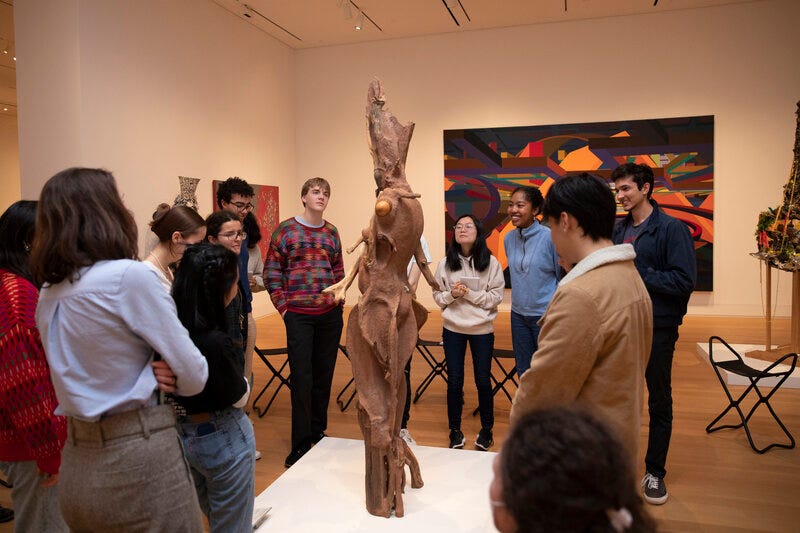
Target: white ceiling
314	23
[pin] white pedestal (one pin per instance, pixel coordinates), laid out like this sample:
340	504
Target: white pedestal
324	491
721	354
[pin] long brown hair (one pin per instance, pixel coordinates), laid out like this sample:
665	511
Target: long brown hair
81	220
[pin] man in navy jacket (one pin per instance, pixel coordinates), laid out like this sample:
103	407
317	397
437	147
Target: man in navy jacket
665	260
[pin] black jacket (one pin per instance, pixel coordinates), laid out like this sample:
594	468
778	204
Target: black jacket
666	261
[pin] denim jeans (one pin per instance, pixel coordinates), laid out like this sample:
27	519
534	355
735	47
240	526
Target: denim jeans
659	403
221	454
35	507
455	348
524	339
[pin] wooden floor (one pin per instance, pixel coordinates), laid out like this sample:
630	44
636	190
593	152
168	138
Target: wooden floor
716	482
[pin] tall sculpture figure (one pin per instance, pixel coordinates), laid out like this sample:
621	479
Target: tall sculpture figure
382	328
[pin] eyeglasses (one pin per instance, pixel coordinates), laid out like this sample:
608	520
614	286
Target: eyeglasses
466	227
241	206
233	235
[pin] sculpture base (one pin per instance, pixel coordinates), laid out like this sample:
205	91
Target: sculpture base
324	491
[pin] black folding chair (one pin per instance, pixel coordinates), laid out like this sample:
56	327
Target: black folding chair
343	405
438	366
277	374
505	375
754	376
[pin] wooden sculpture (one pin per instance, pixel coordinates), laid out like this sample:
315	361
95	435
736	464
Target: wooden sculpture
382	328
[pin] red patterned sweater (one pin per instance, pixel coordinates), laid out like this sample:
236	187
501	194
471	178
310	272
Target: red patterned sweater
301	262
28	429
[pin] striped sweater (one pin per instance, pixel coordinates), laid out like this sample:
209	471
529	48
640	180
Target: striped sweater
28	429
301	262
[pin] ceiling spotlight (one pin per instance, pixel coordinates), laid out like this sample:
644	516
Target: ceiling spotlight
360	21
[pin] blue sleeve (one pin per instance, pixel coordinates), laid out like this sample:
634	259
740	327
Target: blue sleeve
150	312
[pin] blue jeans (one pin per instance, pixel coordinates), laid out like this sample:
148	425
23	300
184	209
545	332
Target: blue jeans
524	339
455	348
221	454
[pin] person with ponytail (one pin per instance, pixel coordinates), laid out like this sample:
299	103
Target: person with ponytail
176	228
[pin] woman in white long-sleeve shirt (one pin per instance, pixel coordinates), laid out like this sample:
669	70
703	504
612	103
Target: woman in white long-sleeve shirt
472	284
102	316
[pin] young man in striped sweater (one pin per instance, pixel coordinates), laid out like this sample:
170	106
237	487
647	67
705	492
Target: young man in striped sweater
305	257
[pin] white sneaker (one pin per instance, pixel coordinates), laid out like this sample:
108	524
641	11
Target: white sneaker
258	455
406	436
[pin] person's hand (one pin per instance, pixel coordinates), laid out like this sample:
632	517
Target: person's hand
47	480
252	280
458	290
165	378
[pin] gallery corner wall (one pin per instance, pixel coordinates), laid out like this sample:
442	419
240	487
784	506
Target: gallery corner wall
736	62
151	91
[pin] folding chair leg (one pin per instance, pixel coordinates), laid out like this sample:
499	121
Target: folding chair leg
343	405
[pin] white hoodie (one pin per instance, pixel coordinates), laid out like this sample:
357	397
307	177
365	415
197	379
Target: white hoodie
473	313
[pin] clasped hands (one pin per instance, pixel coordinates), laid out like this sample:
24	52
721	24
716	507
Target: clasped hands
458	290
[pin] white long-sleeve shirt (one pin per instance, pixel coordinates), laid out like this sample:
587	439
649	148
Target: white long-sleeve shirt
99	333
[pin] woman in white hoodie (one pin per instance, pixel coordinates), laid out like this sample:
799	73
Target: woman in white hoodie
471	282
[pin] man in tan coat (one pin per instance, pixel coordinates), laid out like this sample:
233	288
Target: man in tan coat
597	330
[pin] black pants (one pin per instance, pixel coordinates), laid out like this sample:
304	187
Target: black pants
312	341
659	388
407	407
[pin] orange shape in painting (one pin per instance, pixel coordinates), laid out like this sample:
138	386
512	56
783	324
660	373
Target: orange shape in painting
581	159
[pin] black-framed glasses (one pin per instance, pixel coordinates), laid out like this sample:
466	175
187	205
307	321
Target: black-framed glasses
241	206
233	235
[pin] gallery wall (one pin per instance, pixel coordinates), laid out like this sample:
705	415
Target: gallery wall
9	162
736	62
151	91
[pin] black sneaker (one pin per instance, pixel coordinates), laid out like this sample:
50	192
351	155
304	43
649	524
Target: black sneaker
295	456
456	438
655	491
6	515
484	440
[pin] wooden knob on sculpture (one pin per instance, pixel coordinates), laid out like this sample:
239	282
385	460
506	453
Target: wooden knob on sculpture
383	208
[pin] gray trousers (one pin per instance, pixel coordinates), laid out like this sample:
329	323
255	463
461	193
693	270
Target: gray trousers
127	472
35	507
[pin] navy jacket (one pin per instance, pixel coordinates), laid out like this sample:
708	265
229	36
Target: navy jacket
666	261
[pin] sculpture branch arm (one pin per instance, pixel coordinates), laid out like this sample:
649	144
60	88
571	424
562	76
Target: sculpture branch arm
339	290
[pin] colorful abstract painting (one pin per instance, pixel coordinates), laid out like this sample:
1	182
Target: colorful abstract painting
482	167
265	210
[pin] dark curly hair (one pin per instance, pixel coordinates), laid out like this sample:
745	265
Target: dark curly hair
231	186
563	470
204	276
